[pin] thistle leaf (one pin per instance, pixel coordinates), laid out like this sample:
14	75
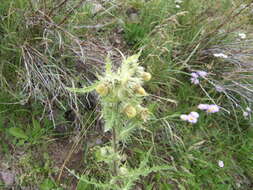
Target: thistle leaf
82	90
108	66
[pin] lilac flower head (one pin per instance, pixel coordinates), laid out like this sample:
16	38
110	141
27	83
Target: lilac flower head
194	75
191	118
194	114
203	106
184	117
220	163
213	108
194	80
202	73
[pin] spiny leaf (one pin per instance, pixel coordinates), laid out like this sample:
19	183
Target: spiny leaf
82	90
108	66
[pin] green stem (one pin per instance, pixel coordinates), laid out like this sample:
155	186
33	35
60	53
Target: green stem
114	145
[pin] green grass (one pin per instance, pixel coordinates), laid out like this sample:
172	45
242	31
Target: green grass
174	43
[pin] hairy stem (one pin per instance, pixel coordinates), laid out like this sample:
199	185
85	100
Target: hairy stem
114	145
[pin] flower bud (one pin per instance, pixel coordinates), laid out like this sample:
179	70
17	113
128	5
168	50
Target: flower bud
102	89
130	111
140	90
146	76
123	170
144	113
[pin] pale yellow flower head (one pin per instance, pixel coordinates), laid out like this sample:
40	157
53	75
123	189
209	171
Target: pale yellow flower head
130	111
146	76
102	89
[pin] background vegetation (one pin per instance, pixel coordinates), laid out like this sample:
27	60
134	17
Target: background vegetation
49	136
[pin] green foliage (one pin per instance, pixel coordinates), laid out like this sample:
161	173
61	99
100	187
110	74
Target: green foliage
18	133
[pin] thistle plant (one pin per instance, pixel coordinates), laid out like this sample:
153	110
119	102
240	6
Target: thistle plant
121	96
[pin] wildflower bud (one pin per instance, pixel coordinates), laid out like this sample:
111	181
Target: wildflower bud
130	111
146	76
141	91
123	170
102	89
144	113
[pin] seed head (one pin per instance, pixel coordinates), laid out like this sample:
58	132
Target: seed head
102	89
140	90
123	170
130	111
146	76
144	113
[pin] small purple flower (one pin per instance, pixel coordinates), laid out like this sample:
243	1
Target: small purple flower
194	75
203	106
194	80
192	119
213	108
202	74
220	163
184	117
194	114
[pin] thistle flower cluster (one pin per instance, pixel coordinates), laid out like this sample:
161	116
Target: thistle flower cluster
196	75
124	87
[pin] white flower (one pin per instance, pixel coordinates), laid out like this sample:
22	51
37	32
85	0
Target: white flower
178	1
245	114
220	163
178	6
248	109
194	80
212	108
202	73
203	106
194	114
242	35
192	119
221	55
184	117
194	75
